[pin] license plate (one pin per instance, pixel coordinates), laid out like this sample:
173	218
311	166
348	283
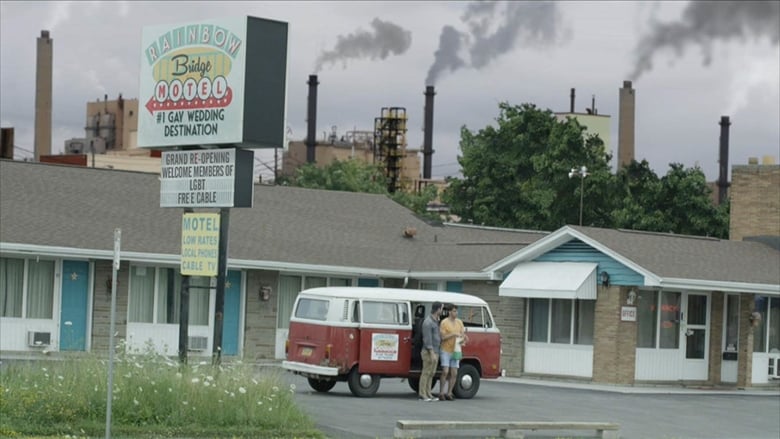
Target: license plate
306	352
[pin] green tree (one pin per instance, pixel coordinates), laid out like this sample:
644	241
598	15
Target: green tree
359	176
680	202
516	174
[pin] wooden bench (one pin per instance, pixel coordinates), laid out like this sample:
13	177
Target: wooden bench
413	429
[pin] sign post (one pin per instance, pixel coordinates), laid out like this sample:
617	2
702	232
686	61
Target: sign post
218	85
111	344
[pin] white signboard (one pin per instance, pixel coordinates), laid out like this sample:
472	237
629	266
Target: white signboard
202	178
384	347
628	313
192	83
199	244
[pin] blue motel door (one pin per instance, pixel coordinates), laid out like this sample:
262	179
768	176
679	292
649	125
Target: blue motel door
232	315
73	315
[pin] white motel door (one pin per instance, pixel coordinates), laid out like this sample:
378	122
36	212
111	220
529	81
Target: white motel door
694	336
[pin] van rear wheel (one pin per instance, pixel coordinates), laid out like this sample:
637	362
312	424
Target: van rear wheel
321	385
362	384
467	384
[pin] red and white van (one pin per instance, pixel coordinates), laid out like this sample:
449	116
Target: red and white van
360	335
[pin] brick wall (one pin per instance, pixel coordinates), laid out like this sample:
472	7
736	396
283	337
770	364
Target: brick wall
260	317
716	337
101	317
509	313
755	201
614	341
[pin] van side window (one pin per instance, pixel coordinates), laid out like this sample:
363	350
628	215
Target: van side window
387	313
356	312
312	309
474	316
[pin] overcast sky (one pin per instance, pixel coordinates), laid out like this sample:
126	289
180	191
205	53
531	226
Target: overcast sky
690	64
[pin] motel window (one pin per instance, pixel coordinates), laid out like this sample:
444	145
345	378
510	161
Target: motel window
159	289
658	320
766	336
564	321
26	288
429	285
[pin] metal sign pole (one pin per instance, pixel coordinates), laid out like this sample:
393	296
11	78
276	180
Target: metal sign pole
219	307
111	348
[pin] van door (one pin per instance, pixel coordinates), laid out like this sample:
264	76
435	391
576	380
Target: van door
385	338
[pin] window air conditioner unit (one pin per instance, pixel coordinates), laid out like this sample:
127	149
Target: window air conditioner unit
197	343
774	366
38	339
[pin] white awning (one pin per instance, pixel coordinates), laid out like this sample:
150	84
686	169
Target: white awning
557	280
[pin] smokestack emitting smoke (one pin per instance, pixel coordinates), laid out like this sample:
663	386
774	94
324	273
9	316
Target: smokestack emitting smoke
385	39
428	134
311	119
571	106
626	118
532	23
704	23
43	89
723	161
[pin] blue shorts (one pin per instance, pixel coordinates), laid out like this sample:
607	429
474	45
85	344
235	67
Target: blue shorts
446	360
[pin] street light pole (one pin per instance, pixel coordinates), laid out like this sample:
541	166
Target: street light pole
582	173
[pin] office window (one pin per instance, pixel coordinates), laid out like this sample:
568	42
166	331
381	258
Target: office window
647	319
567	321
766	336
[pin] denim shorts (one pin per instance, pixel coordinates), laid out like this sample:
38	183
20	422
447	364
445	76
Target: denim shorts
446	360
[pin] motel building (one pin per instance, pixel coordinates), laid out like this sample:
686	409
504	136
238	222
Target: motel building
579	303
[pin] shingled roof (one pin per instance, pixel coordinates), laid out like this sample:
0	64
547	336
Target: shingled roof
671	260
56	206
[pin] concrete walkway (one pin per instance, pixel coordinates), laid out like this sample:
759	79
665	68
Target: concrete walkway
772	389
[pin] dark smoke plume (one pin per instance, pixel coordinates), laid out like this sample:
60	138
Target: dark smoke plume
704	23
493	32
446	56
386	38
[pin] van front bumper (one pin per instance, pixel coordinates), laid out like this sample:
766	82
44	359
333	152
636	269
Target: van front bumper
309	369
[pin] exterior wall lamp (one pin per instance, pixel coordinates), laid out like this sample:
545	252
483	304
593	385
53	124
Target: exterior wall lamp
631	297
264	294
604	279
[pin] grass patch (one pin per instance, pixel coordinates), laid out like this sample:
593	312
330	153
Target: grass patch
153	396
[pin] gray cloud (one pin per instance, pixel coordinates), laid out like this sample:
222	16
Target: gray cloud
386	38
493	32
705	22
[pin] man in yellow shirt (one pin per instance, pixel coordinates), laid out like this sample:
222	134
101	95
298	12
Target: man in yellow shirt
453	336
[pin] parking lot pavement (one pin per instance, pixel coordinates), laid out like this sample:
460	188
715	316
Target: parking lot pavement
651	412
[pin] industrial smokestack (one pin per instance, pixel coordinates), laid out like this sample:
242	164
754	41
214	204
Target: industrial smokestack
723	179
428	135
43	81
571	107
626	125
311	119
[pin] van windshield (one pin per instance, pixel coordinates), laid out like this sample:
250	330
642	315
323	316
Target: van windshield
312	309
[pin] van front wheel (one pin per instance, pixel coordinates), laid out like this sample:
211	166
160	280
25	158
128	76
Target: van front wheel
467	384
362	384
321	385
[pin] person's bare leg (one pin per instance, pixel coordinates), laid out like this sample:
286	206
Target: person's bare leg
442	381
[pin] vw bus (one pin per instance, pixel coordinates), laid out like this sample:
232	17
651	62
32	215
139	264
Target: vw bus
361	335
